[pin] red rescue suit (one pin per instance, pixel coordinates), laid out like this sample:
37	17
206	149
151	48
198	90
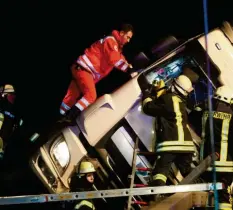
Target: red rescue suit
96	63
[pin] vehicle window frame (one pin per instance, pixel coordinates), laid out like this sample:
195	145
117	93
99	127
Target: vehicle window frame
57	140
194	50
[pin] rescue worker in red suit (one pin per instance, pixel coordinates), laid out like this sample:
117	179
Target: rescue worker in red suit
81	181
223	136
174	141
96	63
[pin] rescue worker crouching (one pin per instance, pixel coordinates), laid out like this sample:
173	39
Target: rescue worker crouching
8	116
96	63
83	180
174	141
223	144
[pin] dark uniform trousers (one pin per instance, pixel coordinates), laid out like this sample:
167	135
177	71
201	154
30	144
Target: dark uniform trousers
163	166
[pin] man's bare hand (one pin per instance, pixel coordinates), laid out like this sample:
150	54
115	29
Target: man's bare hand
130	66
134	74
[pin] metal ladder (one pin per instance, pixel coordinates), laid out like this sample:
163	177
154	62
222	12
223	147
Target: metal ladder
195	173
136	152
128	192
45	198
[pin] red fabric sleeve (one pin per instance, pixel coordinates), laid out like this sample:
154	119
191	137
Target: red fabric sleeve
114	56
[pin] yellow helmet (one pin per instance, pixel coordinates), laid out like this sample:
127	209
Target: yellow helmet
86	167
159	88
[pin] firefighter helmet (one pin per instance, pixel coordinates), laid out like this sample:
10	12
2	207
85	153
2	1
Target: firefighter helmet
6	89
85	167
183	84
160	87
224	93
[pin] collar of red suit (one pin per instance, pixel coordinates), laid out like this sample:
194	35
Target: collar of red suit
120	41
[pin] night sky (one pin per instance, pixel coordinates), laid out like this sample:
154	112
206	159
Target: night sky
39	42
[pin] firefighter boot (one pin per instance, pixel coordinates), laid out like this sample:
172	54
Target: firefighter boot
72	114
69	119
64	121
157	197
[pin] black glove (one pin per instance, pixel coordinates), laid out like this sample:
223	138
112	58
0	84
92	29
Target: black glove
143	83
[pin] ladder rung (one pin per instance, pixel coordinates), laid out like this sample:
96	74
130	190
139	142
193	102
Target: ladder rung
140	202
146	153
143	169
140	185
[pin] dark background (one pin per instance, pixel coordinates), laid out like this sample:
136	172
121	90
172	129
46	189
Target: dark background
40	40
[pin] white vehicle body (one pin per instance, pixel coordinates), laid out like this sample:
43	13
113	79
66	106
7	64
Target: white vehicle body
110	125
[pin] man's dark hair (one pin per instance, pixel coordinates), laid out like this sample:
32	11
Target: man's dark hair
126	27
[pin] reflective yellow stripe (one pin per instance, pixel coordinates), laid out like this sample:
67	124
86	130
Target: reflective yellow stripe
218	115
227	166
221	115
160	177
224	163
175	143
224	140
84	203
145	101
180	130
221	169
225	206
1	119
185	146
229	190
180	144
176	148
1	144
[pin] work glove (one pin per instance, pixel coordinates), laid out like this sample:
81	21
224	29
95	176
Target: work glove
144	85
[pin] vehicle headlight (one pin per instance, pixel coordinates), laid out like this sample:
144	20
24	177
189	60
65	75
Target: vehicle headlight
61	153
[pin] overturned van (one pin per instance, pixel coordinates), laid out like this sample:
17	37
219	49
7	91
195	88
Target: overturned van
108	128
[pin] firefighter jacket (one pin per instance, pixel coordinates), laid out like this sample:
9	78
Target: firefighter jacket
172	132
9	121
103	55
222	134
80	184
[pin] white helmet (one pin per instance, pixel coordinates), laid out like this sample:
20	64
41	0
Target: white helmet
4	90
224	94
183	84
85	168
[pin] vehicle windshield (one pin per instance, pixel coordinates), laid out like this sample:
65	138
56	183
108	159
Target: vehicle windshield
172	68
